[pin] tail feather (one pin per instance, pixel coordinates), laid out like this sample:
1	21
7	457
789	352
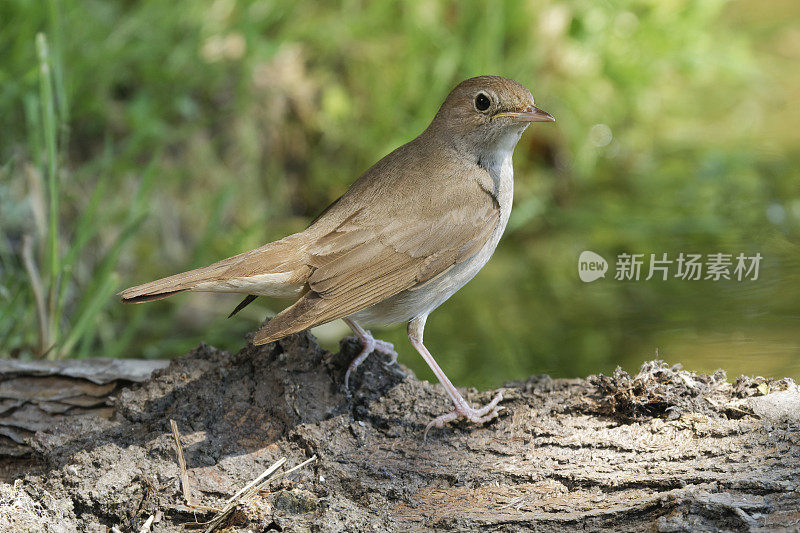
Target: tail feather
276	269
149	297
161	288
244	303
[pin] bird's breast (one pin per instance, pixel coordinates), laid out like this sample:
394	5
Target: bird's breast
419	301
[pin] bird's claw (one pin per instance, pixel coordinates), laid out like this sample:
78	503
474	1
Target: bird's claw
386	348
476	416
369	344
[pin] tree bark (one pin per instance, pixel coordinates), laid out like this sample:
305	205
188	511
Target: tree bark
665	450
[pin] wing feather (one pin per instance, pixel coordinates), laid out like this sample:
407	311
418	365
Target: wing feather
360	262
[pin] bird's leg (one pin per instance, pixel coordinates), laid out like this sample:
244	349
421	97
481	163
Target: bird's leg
369	344
462	408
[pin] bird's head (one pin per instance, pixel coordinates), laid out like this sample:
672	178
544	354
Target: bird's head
487	113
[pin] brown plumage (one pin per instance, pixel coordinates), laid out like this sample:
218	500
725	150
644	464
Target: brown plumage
350	258
406	235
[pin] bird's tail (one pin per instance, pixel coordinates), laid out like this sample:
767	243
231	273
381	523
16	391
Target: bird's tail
276	269
185	281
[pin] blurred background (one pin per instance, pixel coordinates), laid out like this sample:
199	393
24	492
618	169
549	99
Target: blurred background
140	139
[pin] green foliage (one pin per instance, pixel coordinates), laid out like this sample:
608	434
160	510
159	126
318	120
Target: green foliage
232	123
50	269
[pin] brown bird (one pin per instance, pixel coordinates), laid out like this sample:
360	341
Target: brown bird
409	233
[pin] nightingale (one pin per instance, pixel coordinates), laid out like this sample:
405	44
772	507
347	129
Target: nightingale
410	232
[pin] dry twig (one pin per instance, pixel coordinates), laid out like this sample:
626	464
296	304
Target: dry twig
187	492
185	487
251	489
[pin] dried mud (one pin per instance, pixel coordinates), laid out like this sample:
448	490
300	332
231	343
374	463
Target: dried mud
665	450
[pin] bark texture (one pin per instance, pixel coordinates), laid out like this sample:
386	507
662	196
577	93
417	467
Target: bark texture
665	450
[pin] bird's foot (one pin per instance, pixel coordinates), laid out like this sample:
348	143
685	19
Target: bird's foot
387	349
476	416
369	344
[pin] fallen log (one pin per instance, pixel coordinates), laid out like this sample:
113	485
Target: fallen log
664	450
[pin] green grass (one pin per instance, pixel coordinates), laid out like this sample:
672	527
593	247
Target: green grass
141	139
50	263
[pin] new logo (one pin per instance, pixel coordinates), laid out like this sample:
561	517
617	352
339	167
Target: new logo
591	266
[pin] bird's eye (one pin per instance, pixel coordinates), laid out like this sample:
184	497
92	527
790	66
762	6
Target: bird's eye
482	102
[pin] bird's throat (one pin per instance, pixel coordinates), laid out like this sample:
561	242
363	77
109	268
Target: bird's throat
496	160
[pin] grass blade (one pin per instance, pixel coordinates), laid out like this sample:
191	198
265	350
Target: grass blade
49	120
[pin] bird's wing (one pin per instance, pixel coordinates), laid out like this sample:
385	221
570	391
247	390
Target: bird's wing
367	256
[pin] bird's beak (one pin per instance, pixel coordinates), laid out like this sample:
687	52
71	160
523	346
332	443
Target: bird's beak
529	114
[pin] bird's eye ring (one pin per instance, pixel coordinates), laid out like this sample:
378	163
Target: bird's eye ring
482	102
